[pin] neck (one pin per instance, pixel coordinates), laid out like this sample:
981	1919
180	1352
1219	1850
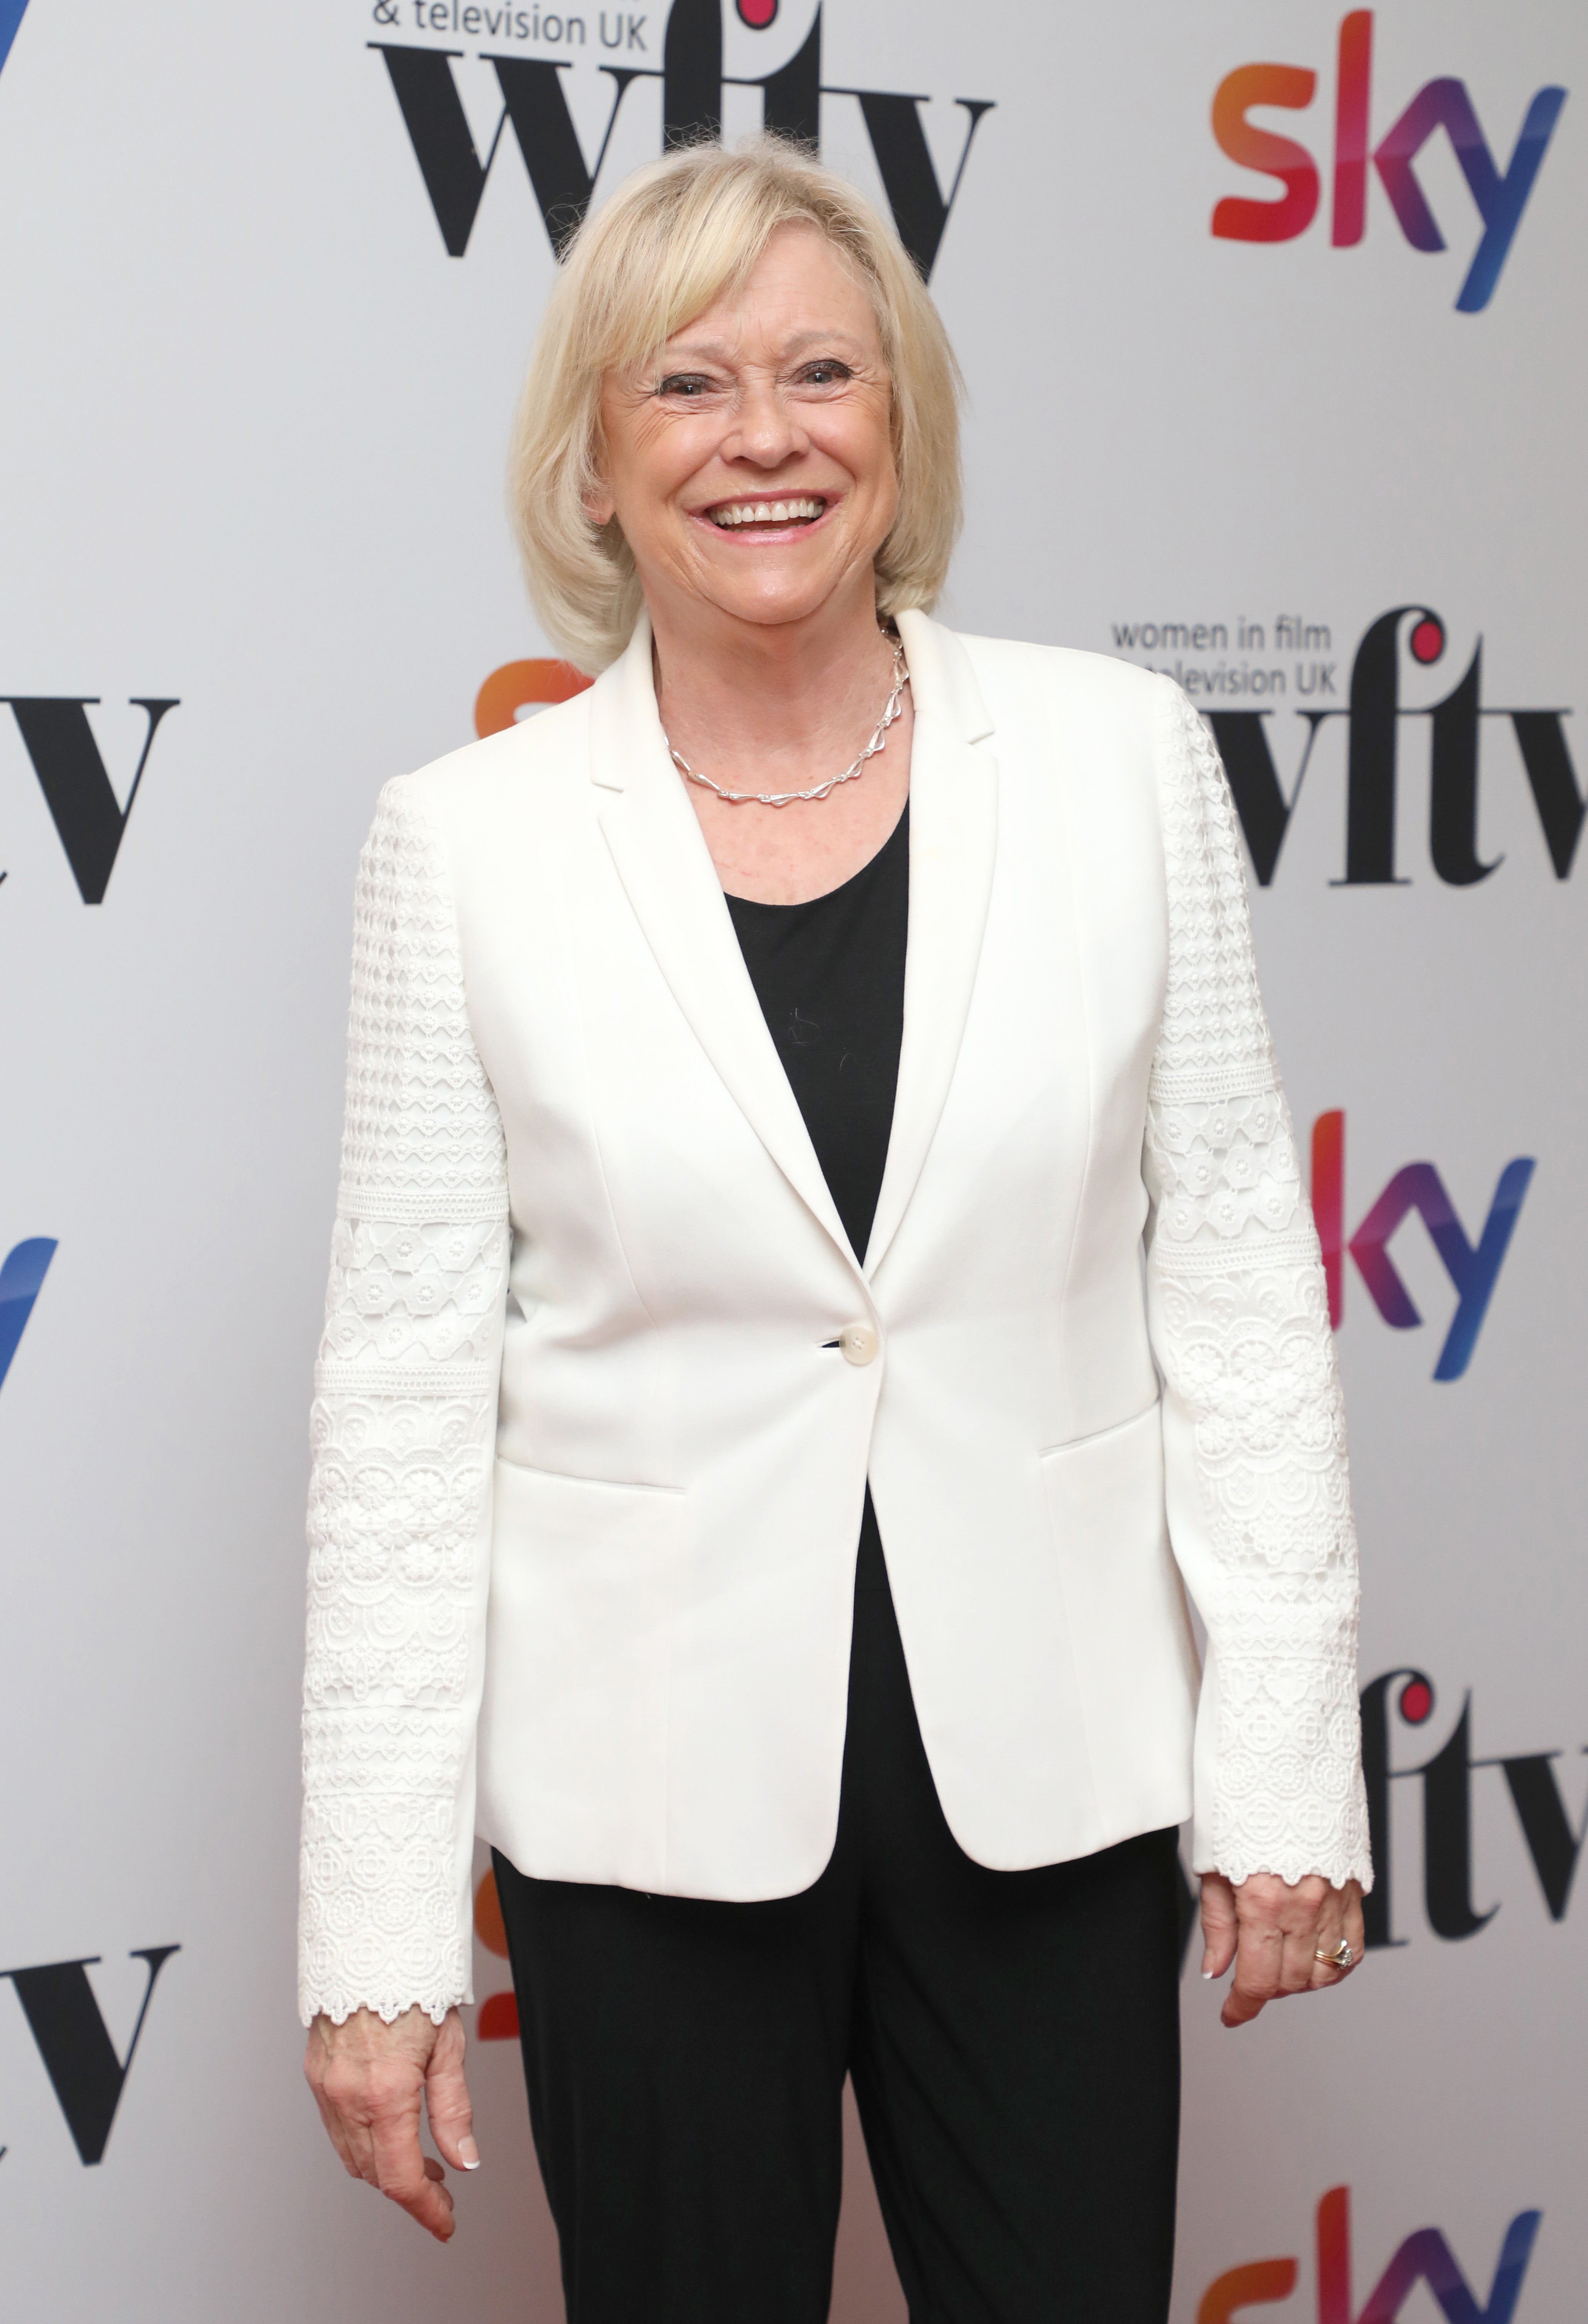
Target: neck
782	701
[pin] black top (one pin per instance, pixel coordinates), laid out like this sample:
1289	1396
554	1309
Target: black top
830	976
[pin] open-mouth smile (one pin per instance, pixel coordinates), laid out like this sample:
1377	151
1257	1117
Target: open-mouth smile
767	517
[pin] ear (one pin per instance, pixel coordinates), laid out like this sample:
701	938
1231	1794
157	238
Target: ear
598	505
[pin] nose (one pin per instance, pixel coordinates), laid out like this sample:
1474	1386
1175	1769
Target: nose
767	431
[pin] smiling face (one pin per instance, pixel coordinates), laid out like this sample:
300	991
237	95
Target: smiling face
751	468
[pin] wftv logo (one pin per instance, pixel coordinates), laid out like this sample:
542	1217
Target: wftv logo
1472	1267
1446	1778
1501	197
57	1999
1424	2257
89	819
534	101
1373	716
79	2057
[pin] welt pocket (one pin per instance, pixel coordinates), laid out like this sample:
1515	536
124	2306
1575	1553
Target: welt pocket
1100	1438
613	1551
529	1470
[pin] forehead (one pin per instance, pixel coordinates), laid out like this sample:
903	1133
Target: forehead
802	287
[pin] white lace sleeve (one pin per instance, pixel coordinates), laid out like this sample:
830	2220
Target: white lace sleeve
1254	1433
404	1426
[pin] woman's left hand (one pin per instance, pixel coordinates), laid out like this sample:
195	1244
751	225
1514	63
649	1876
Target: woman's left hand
1274	1933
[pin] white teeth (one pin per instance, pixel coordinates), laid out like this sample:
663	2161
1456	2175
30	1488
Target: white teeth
768	512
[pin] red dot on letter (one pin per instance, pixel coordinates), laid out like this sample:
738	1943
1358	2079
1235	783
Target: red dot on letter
757	14
1416	1701
1427	641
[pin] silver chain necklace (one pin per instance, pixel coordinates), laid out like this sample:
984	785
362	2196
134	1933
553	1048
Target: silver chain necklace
820	791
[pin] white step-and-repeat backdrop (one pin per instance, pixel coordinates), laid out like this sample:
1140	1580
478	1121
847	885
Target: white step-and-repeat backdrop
1273	320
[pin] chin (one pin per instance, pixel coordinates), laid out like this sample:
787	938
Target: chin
779	601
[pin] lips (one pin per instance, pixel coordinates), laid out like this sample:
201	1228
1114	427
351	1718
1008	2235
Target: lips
732	516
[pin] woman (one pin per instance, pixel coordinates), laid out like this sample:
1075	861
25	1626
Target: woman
765	1068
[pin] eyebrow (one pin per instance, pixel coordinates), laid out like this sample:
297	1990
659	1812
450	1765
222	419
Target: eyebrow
717	350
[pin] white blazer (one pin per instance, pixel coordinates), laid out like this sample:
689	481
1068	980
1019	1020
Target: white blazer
602	1380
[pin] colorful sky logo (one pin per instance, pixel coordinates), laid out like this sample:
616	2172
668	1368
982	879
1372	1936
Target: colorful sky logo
1472	1267
12	12
498	2014
520	688
1500	196
1424	2257
21	1279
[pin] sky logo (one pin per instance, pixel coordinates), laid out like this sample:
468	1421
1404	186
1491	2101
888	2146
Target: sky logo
1472	1267
522	689
20	1280
12	12
1424	2257
1500	196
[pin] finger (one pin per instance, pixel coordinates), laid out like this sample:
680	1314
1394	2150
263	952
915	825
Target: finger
1356	1935
1341	1922
1219	1926
1241	2005
337	2134
400	2174
448	2100
314	2073
1299	1959
344	2102
1258	1958
348	2124
1327	1941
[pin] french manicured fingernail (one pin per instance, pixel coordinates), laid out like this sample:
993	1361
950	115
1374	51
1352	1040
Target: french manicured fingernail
469	2152
1207	1973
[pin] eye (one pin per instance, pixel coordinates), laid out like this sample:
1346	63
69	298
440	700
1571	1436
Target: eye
826	371
684	386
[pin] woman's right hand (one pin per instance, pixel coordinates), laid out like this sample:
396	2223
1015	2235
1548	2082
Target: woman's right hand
368	2079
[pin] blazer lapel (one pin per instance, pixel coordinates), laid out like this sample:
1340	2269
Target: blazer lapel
952	846
671	882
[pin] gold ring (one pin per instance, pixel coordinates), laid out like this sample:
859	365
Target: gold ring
1341	1957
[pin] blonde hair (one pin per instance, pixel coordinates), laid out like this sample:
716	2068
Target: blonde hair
674	237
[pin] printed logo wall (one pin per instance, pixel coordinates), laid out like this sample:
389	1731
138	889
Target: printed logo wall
1273	333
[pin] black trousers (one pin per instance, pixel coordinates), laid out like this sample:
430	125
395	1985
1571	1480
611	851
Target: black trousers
1013	2038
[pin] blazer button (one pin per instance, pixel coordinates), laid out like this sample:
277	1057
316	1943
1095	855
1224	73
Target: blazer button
859	1343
